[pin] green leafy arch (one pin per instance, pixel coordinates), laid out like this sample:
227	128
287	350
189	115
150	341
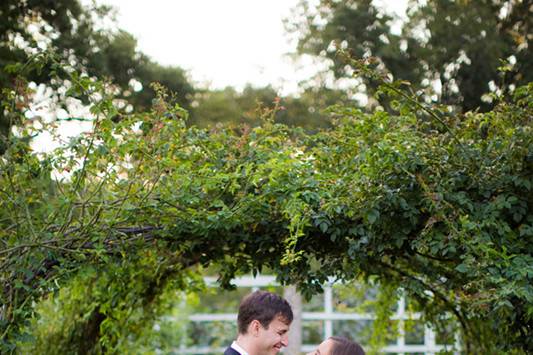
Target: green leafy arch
441	207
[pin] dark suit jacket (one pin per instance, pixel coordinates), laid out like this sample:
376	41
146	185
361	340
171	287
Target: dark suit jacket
231	351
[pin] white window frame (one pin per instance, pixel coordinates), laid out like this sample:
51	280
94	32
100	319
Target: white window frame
328	316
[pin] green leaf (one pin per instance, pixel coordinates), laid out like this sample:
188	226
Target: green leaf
372	216
462	268
324	227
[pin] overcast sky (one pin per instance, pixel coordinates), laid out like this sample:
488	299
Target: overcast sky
220	43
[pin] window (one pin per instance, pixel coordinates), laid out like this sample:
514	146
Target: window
212	325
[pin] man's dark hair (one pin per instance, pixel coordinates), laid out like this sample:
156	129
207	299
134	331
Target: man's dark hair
264	307
344	346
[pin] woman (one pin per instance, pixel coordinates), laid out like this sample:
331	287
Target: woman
338	346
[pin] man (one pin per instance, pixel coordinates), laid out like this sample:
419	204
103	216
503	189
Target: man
263	324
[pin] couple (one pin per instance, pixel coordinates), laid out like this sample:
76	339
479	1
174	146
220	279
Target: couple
263	325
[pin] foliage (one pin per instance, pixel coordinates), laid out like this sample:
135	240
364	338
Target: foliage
371	298
439	204
120	293
227	106
76	33
458	44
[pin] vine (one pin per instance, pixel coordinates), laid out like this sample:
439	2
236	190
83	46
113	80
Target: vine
134	206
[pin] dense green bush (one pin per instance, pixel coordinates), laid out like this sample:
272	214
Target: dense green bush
105	226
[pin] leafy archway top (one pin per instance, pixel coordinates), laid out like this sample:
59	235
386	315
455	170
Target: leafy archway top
440	205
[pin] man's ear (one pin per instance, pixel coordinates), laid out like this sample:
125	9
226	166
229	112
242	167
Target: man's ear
254	327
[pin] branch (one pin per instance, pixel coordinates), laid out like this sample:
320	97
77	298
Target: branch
443	298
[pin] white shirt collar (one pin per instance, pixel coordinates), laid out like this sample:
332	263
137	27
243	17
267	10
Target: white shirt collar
240	350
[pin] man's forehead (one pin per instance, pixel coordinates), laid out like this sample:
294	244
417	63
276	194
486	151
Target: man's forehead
280	322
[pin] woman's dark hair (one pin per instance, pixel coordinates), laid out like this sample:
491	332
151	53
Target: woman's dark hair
264	307
344	346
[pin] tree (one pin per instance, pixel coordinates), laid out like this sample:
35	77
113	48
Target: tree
71	31
119	60
228	106
439	205
458	44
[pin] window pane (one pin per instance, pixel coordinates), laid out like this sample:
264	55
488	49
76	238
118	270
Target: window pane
315	304
215	300
414	332
278	290
445	333
392	333
356	298
213	334
357	330
312	332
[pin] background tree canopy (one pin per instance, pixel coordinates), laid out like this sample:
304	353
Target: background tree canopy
459	44
77	34
227	106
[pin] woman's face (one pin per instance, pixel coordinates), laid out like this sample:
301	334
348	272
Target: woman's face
325	348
